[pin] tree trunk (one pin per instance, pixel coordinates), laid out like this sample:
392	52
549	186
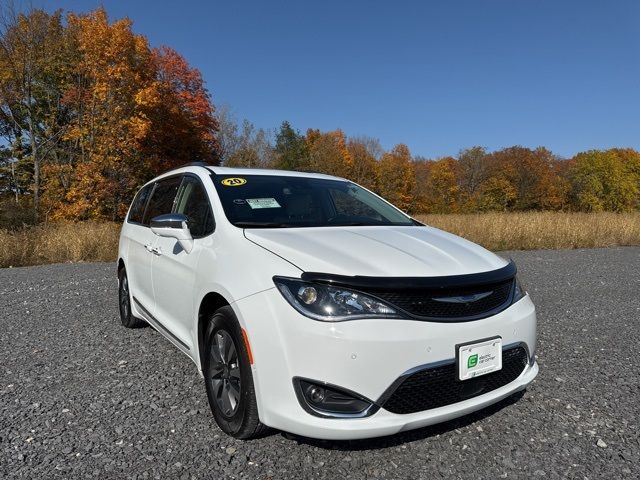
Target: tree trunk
36	171
14	180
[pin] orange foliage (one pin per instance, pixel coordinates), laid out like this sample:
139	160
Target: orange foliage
442	186
396	178
328	153
136	113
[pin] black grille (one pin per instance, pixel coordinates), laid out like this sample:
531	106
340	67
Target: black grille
423	303
437	387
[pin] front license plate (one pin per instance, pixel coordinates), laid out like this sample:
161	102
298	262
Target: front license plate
479	358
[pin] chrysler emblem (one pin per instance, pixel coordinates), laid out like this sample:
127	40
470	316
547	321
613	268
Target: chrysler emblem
464	298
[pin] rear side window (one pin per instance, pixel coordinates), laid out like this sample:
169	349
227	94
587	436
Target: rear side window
139	204
162	198
194	203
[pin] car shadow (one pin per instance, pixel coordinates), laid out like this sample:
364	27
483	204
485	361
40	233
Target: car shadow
409	436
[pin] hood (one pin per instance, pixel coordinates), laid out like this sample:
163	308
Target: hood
377	251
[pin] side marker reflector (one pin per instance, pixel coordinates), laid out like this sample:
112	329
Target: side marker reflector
247	345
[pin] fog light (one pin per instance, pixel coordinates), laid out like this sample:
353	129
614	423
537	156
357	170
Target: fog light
315	394
326	400
308	295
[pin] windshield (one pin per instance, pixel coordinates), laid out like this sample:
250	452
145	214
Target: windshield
270	201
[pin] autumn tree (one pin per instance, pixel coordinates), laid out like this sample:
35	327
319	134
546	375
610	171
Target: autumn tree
397	177
88	112
365	153
421	194
442	185
35	59
605	180
228	133
473	172
177	124
109	100
251	147
496	194
328	153
133	113
531	174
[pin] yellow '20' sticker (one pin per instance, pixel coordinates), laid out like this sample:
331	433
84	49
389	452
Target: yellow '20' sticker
234	182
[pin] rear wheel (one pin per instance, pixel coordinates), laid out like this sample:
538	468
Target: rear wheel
228	377
124	302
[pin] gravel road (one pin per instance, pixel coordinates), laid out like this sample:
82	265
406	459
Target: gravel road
80	396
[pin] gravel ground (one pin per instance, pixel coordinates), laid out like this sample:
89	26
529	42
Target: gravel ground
81	397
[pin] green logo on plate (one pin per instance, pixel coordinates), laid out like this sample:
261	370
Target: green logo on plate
472	361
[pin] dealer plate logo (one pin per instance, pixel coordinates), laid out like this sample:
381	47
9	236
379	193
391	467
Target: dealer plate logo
472	361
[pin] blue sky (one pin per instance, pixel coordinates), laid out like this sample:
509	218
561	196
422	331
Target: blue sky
438	76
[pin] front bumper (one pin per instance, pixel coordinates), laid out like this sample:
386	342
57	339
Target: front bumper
364	356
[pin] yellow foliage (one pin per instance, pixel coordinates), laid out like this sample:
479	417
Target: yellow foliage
396	178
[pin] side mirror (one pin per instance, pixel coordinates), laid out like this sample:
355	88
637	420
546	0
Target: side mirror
173	225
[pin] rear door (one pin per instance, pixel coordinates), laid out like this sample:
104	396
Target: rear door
141	247
174	270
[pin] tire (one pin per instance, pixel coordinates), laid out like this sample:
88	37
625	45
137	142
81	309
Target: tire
228	377
124	303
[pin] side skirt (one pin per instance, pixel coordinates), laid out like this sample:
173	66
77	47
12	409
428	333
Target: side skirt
164	330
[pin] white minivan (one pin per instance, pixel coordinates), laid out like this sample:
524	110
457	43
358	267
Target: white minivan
311	305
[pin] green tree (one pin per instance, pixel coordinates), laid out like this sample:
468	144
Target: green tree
290	150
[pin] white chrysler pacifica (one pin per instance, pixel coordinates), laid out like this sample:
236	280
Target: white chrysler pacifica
311	305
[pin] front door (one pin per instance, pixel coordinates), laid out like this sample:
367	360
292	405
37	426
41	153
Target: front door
144	242
174	270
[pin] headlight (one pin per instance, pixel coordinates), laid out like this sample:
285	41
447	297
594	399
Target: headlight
519	292
331	304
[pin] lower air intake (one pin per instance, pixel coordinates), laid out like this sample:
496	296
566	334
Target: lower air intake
439	386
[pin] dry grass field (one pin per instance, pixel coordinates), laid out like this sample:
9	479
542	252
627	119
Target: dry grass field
541	230
59	243
97	242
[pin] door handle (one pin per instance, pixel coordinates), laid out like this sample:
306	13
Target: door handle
156	251
148	247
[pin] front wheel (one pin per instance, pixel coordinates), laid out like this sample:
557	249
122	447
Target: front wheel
124	302
228	377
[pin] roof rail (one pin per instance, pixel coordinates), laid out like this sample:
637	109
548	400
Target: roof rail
194	164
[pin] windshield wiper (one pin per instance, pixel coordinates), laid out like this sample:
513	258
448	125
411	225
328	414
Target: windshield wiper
261	225
353	224
369	224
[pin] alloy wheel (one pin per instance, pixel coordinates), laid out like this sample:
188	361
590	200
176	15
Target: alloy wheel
224	373
124	297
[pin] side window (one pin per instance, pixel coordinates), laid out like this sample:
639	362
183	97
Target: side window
139	204
194	203
162	198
